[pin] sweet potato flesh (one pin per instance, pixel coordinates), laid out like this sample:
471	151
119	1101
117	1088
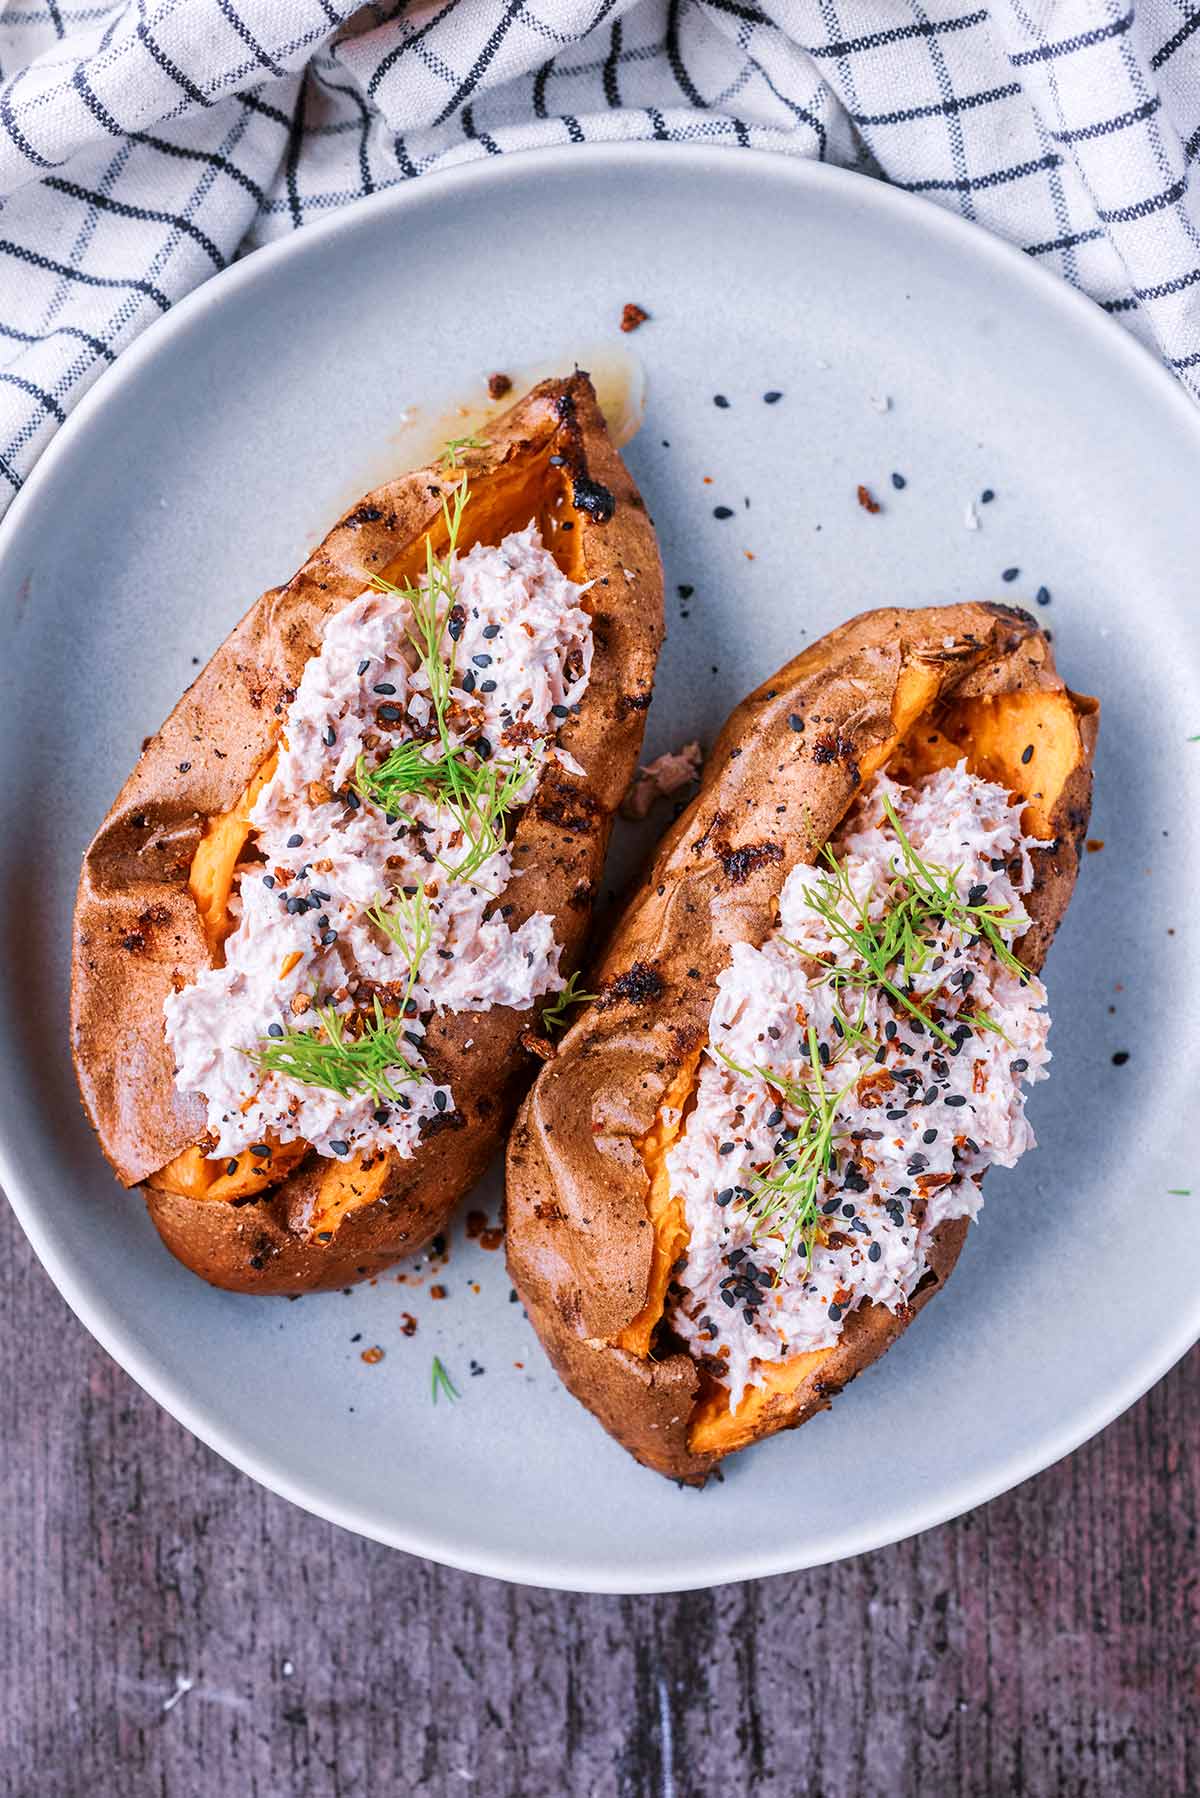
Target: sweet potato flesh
524	487
1028	743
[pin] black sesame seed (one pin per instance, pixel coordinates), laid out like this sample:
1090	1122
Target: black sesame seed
1010	574
483	749
795	721
294	842
976	896
490	631
899	482
895	1117
720	400
722	511
931	1094
955	1099
986	497
849	1211
487	686
727	1298
231	1167
363	666
861	1226
389	714
268	880
295	905
482	660
725	1148
274	1029
330	737
1043	596
835	1314
1118	1060
775	1119
1027	753
468	682
874	1253
382	1115
260	1149
929	1136
339	1148
384	686
559	711
328	937
773	398
439	1101
724	1197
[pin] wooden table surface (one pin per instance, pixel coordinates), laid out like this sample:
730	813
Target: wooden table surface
166	1627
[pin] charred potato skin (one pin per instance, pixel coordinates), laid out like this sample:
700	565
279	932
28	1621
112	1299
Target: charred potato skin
137	933
781	775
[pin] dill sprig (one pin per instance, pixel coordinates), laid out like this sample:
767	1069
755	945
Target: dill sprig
554	1015
370	1062
785	1196
408	913
483	811
453	448
922	899
409	770
442	1383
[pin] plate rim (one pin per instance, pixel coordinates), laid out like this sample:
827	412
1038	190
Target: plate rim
118	1340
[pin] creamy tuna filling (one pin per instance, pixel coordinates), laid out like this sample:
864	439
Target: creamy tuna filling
915	1122
519	646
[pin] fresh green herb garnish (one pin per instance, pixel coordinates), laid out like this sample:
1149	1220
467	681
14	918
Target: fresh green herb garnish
922	899
785	1195
410	769
369	1062
455	446
483	813
554	1015
442	1383
1179	1192
408	913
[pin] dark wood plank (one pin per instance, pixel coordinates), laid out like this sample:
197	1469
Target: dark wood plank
1045	1644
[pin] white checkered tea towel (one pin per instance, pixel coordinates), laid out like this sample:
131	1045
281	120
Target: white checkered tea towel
145	143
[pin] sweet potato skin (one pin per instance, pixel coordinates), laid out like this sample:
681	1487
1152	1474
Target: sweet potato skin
138	932
782	774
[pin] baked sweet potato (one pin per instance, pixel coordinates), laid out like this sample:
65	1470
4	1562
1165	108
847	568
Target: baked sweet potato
164	882
598	1234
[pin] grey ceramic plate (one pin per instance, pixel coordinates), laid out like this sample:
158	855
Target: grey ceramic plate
201	470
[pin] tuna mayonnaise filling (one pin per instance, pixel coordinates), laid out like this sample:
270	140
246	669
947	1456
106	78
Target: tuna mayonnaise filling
519	646
916	1121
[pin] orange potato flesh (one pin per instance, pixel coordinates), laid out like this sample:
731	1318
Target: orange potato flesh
210	878
345	1186
196	1176
993	734
526	488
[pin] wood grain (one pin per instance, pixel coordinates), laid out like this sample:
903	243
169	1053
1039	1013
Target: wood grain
1047	1644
